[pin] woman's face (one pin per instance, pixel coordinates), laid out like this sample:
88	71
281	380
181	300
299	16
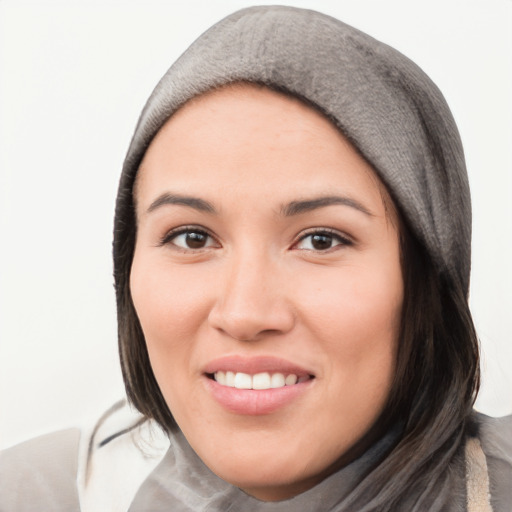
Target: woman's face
267	281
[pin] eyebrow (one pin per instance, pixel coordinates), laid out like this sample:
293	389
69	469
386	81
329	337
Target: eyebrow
307	205
288	210
191	202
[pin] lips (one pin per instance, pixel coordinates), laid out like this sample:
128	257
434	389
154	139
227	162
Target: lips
255	386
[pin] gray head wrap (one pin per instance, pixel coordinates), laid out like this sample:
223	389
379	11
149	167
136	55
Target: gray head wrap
380	100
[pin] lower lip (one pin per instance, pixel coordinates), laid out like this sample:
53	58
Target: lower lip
255	401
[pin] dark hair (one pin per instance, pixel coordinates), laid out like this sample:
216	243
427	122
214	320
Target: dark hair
437	367
436	382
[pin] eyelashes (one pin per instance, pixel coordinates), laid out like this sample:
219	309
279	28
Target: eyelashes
321	240
196	238
189	238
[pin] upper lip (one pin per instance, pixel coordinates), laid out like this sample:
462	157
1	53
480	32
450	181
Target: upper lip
254	365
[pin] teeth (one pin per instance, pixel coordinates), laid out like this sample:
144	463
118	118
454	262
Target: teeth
290	380
277	380
263	380
243	381
220	377
230	379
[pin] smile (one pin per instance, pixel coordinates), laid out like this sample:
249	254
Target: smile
255	385
260	381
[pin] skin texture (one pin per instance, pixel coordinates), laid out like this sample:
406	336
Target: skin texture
257	284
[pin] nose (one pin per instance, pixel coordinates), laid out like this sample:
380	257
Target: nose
252	301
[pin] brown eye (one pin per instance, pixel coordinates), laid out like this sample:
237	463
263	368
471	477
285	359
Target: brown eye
322	241
195	240
190	239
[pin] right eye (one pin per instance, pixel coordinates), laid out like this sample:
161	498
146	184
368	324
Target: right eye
190	239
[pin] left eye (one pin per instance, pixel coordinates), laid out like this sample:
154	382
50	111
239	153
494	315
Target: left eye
190	239
321	241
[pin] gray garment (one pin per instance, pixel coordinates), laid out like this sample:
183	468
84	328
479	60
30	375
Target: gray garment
383	102
201	490
41	475
496	439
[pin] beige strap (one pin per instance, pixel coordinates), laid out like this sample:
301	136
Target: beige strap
477	477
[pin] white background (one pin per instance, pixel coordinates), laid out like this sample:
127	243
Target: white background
73	79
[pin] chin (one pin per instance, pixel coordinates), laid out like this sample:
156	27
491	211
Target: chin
271	484
263	474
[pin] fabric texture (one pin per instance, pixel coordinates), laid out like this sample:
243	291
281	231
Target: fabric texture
135	467
383	102
477	478
40	474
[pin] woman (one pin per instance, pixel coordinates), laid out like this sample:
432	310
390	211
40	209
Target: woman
292	253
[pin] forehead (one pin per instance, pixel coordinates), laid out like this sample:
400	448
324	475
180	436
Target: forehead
245	133
253	108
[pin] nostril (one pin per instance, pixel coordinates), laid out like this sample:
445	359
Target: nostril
250	329
247	311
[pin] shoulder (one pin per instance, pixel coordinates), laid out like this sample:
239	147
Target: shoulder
92	469
495	436
40	474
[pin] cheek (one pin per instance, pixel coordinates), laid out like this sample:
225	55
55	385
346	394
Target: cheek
355	306
356	316
168	303
171	307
